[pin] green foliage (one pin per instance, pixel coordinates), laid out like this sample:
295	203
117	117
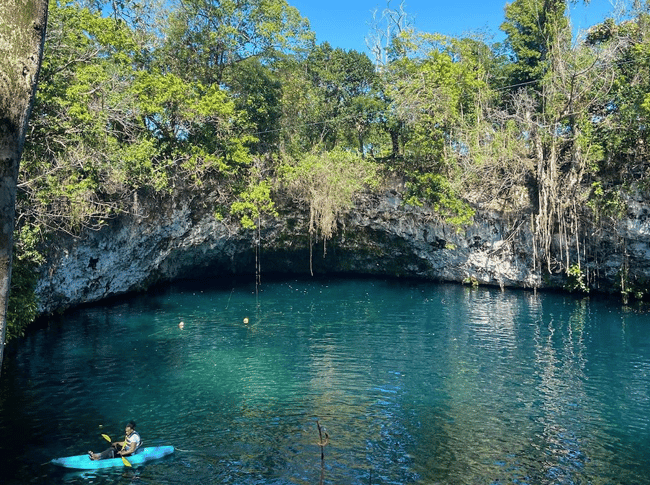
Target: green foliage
206	38
576	280
257	92
139	167
301	106
471	281
252	203
329	100
631	287
328	183
23	304
624	127
106	124
434	189
440	92
606	203
534	29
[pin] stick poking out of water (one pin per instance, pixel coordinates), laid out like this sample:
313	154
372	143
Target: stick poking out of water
323	442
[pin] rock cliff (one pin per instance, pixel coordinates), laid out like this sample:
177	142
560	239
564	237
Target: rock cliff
380	236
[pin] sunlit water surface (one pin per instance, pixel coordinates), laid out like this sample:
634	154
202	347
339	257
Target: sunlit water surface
414	382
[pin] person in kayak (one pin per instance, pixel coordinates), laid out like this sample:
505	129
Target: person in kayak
119	449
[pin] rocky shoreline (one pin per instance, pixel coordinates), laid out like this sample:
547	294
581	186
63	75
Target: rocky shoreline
380	236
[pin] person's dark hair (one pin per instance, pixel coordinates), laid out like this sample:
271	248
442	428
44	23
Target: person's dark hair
131	424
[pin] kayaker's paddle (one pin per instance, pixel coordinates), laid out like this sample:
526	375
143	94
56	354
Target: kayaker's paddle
124	460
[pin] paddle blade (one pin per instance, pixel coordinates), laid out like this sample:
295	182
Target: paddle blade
126	462
106	437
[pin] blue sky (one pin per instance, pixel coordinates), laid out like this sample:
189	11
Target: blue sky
346	23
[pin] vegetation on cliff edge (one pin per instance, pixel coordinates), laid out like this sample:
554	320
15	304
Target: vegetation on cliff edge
154	100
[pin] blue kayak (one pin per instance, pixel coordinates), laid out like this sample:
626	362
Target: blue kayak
83	462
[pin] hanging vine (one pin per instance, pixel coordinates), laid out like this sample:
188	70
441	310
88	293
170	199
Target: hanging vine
327	182
556	112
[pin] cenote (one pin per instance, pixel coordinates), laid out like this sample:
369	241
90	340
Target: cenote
414	382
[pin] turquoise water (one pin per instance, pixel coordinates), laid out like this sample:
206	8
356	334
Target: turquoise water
414	382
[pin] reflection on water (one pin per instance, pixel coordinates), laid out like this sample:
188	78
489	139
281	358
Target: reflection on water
415	383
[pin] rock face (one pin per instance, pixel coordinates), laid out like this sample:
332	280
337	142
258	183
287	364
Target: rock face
380	236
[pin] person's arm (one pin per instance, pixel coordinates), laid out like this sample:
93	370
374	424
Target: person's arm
128	451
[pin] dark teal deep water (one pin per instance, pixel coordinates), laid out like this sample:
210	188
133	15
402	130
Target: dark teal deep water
415	382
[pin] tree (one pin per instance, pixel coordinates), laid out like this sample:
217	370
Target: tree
301	124
107	126
384	42
207	37
556	92
328	99
625	125
257	91
439	92
22	36
536	30
348	83
386	28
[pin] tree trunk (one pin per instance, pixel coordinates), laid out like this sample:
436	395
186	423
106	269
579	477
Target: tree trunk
22	34
360	138
394	139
